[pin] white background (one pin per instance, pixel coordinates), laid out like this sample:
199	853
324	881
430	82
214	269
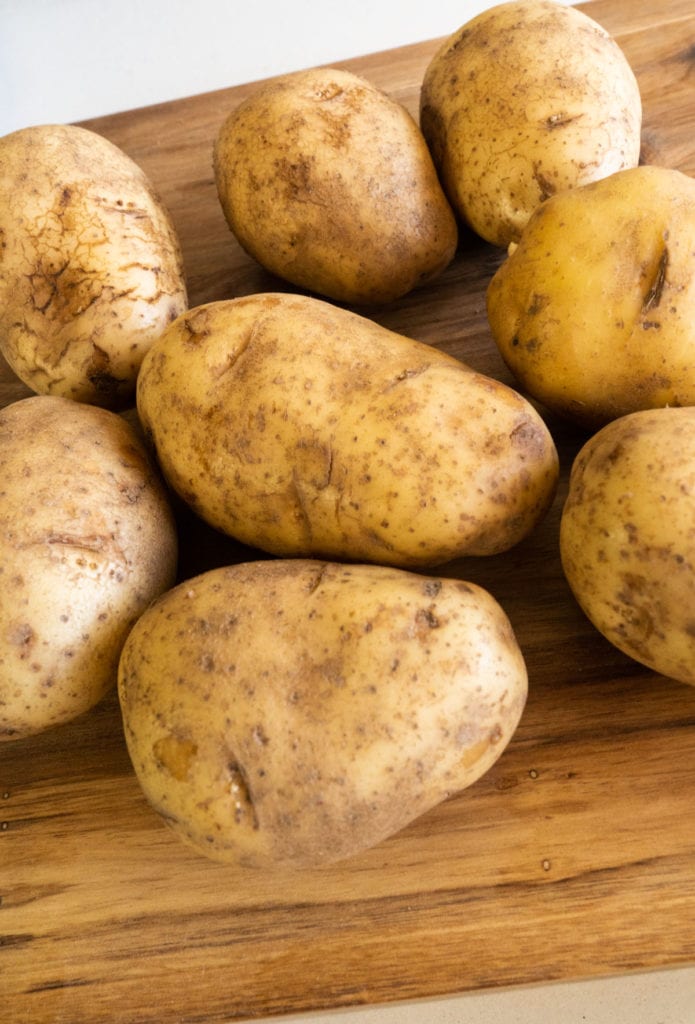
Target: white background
67	60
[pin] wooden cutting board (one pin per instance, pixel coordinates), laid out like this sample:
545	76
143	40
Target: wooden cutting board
573	857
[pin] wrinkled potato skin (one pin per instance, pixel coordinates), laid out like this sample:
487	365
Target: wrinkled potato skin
594	311
306	430
296	712
91	269
627	539
86	541
329	184
526	99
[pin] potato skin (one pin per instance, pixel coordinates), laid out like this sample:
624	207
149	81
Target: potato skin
328	183
86	541
295	713
306	430
526	99
91	268
594	310
627	539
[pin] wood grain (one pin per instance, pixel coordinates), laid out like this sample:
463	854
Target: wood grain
573	857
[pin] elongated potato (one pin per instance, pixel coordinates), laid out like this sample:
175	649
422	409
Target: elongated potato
87	539
627	537
298	712
303	429
91	268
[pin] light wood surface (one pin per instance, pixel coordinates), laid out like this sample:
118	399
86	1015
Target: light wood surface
573	857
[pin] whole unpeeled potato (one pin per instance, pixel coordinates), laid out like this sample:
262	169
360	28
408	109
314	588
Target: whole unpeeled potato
328	183
627	537
91	269
303	429
594	310
296	712
86	541
526	99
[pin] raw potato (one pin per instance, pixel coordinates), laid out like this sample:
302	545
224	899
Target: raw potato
628	537
303	429
296	712
86	541
91	270
594	310
328	183
526	99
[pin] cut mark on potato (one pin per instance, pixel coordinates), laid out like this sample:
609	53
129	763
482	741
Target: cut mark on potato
99	372
329	91
318	579
546	187
94	554
406	375
560	120
175	755
93	542
244	810
653	296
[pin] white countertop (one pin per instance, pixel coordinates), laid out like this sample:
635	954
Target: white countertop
67	60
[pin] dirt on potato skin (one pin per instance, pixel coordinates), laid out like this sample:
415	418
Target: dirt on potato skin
90	266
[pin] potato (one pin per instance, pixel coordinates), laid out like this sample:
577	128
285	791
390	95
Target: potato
295	712
91	269
303	429
627	537
328	183
526	99
86	541
594	310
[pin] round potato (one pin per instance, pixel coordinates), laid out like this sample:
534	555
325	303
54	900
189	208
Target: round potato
526	99
86	541
594	310
307	430
328	183
91	269
627	537
298	712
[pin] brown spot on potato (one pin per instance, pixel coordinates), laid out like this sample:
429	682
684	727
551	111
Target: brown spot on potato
425	620
526	435
259	736
538	303
23	636
473	750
